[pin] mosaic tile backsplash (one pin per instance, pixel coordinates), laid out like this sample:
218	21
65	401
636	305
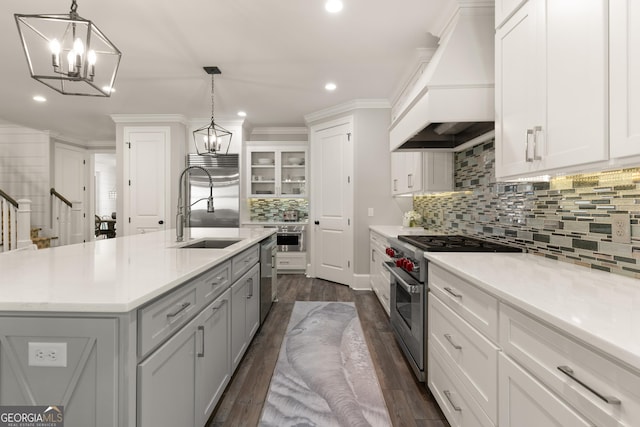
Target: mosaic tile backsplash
568	218
261	210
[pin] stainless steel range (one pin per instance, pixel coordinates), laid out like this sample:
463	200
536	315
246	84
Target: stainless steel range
409	287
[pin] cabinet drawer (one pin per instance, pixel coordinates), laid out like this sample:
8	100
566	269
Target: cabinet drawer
524	402
160	319
456	403
244	261
544	352
214	282
469	302
291	260
474	358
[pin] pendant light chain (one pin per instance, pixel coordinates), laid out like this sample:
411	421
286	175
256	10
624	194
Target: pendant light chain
74	10
212	98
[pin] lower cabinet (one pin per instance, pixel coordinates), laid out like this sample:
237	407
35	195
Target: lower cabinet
245	313
378	275
179	384
525	402
292	262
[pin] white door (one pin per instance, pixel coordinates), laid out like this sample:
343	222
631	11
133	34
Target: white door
71	180
332	201
147	179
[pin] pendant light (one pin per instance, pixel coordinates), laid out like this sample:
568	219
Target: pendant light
69	53
210	139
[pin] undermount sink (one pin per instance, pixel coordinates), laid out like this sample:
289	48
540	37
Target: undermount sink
211	244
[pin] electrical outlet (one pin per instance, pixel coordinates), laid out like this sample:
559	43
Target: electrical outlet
621	228
48	354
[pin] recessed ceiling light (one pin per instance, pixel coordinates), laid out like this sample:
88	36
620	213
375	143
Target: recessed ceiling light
242	114
330	87
39	98
333	6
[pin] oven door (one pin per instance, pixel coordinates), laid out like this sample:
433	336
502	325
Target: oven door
407	305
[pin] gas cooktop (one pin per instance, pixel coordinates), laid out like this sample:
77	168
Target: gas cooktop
456	243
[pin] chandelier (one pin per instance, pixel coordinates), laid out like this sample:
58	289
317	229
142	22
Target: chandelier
210	139
69	53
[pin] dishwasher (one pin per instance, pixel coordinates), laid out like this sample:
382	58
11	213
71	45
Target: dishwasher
268	275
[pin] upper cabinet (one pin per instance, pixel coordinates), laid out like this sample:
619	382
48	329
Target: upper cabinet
421	172
551	87
624	72
277	171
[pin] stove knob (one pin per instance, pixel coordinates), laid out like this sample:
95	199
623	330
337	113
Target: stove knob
389	252
399	262
409	266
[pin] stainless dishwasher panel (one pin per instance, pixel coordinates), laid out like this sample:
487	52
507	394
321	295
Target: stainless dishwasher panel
268	275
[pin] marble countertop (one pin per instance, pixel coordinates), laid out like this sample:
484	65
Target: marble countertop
112	275
389	231
274	223
599	308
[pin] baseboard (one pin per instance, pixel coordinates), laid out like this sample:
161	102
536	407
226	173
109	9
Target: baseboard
361	282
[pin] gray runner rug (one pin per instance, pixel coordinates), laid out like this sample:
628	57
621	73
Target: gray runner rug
324	375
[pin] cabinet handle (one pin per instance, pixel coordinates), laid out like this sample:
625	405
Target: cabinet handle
537	130
527	159
250	284
410	180
217	281
455	407
201	329
220	306
452	292
373	255
569	372
182	308
454	345
395	185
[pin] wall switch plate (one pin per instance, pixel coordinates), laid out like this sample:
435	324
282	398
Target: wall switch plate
621	228
370	212
48	354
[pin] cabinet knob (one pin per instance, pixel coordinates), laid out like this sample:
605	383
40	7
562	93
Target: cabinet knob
316	222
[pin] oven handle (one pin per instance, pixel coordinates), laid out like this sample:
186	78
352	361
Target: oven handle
411	288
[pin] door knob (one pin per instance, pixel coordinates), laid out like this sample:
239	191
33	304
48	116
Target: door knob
161	222
316	222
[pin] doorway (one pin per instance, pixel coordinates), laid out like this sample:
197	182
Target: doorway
105	194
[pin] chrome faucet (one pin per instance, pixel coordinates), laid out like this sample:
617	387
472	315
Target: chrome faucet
184	208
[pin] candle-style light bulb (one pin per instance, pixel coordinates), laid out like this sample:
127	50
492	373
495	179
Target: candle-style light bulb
71	59
91	59
78	46
54	46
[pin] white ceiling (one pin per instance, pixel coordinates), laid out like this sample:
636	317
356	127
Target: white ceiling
275	57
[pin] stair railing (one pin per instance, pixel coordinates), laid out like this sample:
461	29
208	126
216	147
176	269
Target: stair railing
66	219
15	223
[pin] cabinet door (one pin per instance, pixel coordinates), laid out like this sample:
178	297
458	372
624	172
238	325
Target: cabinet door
576	133
167	382
262	172
213	363
437	171
253	303
292	173
413	171
525	402
397	165
518	90
624	66
238	322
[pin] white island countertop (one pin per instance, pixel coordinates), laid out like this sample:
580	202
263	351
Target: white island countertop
599	308
112	275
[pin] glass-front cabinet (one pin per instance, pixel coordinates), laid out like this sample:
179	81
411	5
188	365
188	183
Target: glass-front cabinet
277	171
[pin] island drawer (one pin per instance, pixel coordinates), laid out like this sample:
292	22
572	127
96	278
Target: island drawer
214	282
161	318
241	263
598	387
468	301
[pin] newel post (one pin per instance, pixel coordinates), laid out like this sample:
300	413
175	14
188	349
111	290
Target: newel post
23	224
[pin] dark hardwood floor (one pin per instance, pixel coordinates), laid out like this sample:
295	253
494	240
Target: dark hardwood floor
408	401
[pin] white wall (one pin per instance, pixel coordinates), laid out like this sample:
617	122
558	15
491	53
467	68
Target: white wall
25	169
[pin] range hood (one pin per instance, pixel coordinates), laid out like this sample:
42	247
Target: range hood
452	102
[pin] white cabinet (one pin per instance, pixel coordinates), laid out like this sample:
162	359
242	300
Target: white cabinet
505	8
245	313
291	261
552	87
417	172
188	372
277	171
378	275
524	402
624	78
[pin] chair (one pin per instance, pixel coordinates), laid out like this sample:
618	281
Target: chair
100	230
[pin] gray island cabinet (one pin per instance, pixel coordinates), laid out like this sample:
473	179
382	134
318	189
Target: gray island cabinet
156	348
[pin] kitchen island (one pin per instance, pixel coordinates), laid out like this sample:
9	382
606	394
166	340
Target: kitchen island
130	331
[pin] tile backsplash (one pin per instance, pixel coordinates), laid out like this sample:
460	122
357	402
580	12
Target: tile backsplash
568	218
267	210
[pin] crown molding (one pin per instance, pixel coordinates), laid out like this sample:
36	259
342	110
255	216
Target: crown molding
346	107
149	118
291	130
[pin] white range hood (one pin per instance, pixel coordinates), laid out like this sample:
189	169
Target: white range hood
453	100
